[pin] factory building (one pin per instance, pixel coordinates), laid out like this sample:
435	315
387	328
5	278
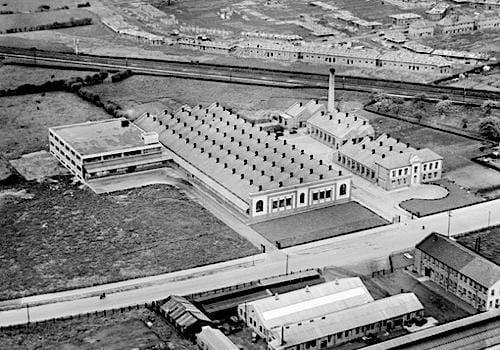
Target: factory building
404	19
213	339
333	329
459	270
104	148
297	114
310	303
390	163
250	169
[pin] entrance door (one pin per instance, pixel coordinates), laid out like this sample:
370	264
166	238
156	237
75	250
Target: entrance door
427	272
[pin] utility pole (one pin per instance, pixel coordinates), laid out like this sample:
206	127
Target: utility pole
489	218
286	266
449	222
28	312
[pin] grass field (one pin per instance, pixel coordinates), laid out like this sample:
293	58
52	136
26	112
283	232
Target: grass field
24	120
29	20
115	331
456	198
490	242
14	75
319	224
66	237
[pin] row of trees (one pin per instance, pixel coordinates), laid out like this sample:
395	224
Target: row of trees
71	84
55	25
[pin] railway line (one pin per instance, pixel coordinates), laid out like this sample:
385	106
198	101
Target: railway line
245	75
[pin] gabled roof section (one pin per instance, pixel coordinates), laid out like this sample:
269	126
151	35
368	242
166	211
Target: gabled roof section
342	125
461	259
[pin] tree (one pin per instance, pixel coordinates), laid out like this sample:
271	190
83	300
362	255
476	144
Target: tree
489	127
443	107
418	115
486	107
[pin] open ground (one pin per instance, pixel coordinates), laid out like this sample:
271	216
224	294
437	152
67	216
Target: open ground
66	237
319	224
115	331
490	242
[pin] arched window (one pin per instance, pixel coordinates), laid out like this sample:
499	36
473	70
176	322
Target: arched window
343	190
302	198
259	206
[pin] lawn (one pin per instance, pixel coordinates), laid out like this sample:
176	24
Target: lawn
490	242
457	197
66	237
115	331
319	224
14	75
434	304
24	120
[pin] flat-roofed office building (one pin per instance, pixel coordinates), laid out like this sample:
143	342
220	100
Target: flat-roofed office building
103	148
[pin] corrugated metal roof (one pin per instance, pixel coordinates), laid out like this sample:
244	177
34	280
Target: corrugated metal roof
215	339
365	314
311	302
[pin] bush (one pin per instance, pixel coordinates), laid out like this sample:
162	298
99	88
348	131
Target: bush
489	127
121	75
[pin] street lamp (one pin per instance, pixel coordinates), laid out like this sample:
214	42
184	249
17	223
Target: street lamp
449	222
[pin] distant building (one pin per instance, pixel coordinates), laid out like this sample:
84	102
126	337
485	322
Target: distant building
310	303
336	129
390	163
103	148
456	24
459	270
404	19
208	46
213	339
421	29
299	113
260	176
402	60
371	318
437	12
488	22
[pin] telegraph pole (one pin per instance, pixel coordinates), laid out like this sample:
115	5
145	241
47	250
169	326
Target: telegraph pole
286	266
449	222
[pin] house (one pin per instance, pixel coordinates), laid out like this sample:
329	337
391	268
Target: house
456	24
304	305
184	316
437	12
103	148
260	176
213	339
334	329
459	270
404	19
421	29
337	128
390	163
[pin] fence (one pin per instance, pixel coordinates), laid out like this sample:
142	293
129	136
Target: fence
102	313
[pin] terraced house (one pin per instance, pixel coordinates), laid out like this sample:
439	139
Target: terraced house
459	270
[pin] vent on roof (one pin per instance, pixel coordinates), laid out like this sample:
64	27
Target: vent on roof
232	139
339	121
322	113
228	151
202	150
301	151
213	142
194	144
380	143
321	162
260	128
227	123
237	156
248	148
347	115
189	113
224	134
256	153
268	133
355	118
206	110
148	115
206	137
271	178
166	126
284	142
203	121
275	150
221	147
283	155
280	184
390	148
217	160
243	131
363	146
300	104
311	157
311	171
250	135
254	167
233	171
340	172
302	165
273	163
154	119
293	147
292	160
173	132
321	176
407	145
373	151
301	180
209	154
217	104
330	167
240	143
388	136
260	187
330	117
242	176
265	158
245	161
364	122
182	109
317	101
235	127
262	172
251	182
383	156
258	140
267	145
282	169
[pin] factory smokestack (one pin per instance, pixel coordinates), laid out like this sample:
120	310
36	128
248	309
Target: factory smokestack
331	91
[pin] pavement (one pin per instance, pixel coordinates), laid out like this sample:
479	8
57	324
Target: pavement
339	251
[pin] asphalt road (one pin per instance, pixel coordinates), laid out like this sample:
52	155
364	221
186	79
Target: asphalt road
340	251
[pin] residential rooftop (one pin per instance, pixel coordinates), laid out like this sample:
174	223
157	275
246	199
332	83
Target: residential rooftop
101	136
461	259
